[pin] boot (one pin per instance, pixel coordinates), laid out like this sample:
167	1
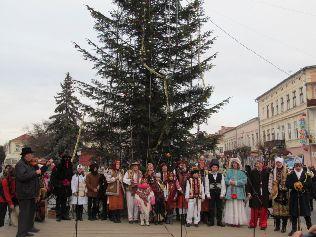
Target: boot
141	217
284	224
308	222
277	224
119	216
294	225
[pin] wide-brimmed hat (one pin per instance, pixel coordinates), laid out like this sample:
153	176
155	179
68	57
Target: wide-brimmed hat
135	163
26	150
214	162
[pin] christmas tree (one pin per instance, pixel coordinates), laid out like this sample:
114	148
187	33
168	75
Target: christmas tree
64	123
150	59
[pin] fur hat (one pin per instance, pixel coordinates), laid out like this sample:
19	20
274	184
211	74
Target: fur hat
279	159
298	160
237	160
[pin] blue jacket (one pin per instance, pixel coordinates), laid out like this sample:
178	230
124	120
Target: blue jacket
241	179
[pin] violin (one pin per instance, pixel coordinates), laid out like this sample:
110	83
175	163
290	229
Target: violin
33	162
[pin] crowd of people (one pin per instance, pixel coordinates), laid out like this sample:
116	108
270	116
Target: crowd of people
205	192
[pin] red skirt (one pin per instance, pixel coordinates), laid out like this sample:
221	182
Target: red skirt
182	203
116	202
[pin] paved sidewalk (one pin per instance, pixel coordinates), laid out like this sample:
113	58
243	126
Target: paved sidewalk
51	228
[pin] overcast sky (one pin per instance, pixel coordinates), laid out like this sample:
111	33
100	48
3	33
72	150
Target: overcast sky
36	52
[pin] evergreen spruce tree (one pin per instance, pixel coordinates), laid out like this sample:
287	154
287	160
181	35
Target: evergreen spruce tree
64	123
150	58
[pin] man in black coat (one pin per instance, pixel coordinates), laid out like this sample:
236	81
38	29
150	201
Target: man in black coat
258	191
61	180
299	181
27	188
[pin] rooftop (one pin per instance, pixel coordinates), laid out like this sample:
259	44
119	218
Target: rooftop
288	78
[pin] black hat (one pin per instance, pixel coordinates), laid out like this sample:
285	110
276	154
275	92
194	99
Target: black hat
214	162
26	150
195	170
93	166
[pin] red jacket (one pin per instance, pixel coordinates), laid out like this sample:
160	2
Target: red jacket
6	190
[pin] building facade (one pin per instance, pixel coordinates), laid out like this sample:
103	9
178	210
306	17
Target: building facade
287	113
14	149
246	134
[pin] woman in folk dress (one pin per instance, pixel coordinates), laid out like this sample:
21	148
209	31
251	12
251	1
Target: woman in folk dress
236	179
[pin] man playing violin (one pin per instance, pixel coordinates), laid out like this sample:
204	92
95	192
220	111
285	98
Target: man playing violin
27	188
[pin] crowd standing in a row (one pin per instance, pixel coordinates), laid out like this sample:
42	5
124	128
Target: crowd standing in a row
197	194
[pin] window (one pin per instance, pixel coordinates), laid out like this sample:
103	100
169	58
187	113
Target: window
257	137
264	136
268	115
282	105
272	110
277	107
272	134
289	131
278	133
288	105
268	135
295	130
253	139
17	148
301	95
294	99
283	132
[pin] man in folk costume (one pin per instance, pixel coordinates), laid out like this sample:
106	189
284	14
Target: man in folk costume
215	190
299	182
194	195
203	173
115	191
172	187
279	194
144	199
79	192
164	172
258	192
182	176
131	179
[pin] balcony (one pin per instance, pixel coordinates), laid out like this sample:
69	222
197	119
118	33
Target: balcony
311	102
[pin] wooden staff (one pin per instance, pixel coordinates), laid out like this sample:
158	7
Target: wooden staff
78	139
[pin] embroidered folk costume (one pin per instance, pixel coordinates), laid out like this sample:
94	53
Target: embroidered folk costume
194	195
115	191
131	179
215	190
279	194
182	176
236	179
203	173
258	191
172	187
144	199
